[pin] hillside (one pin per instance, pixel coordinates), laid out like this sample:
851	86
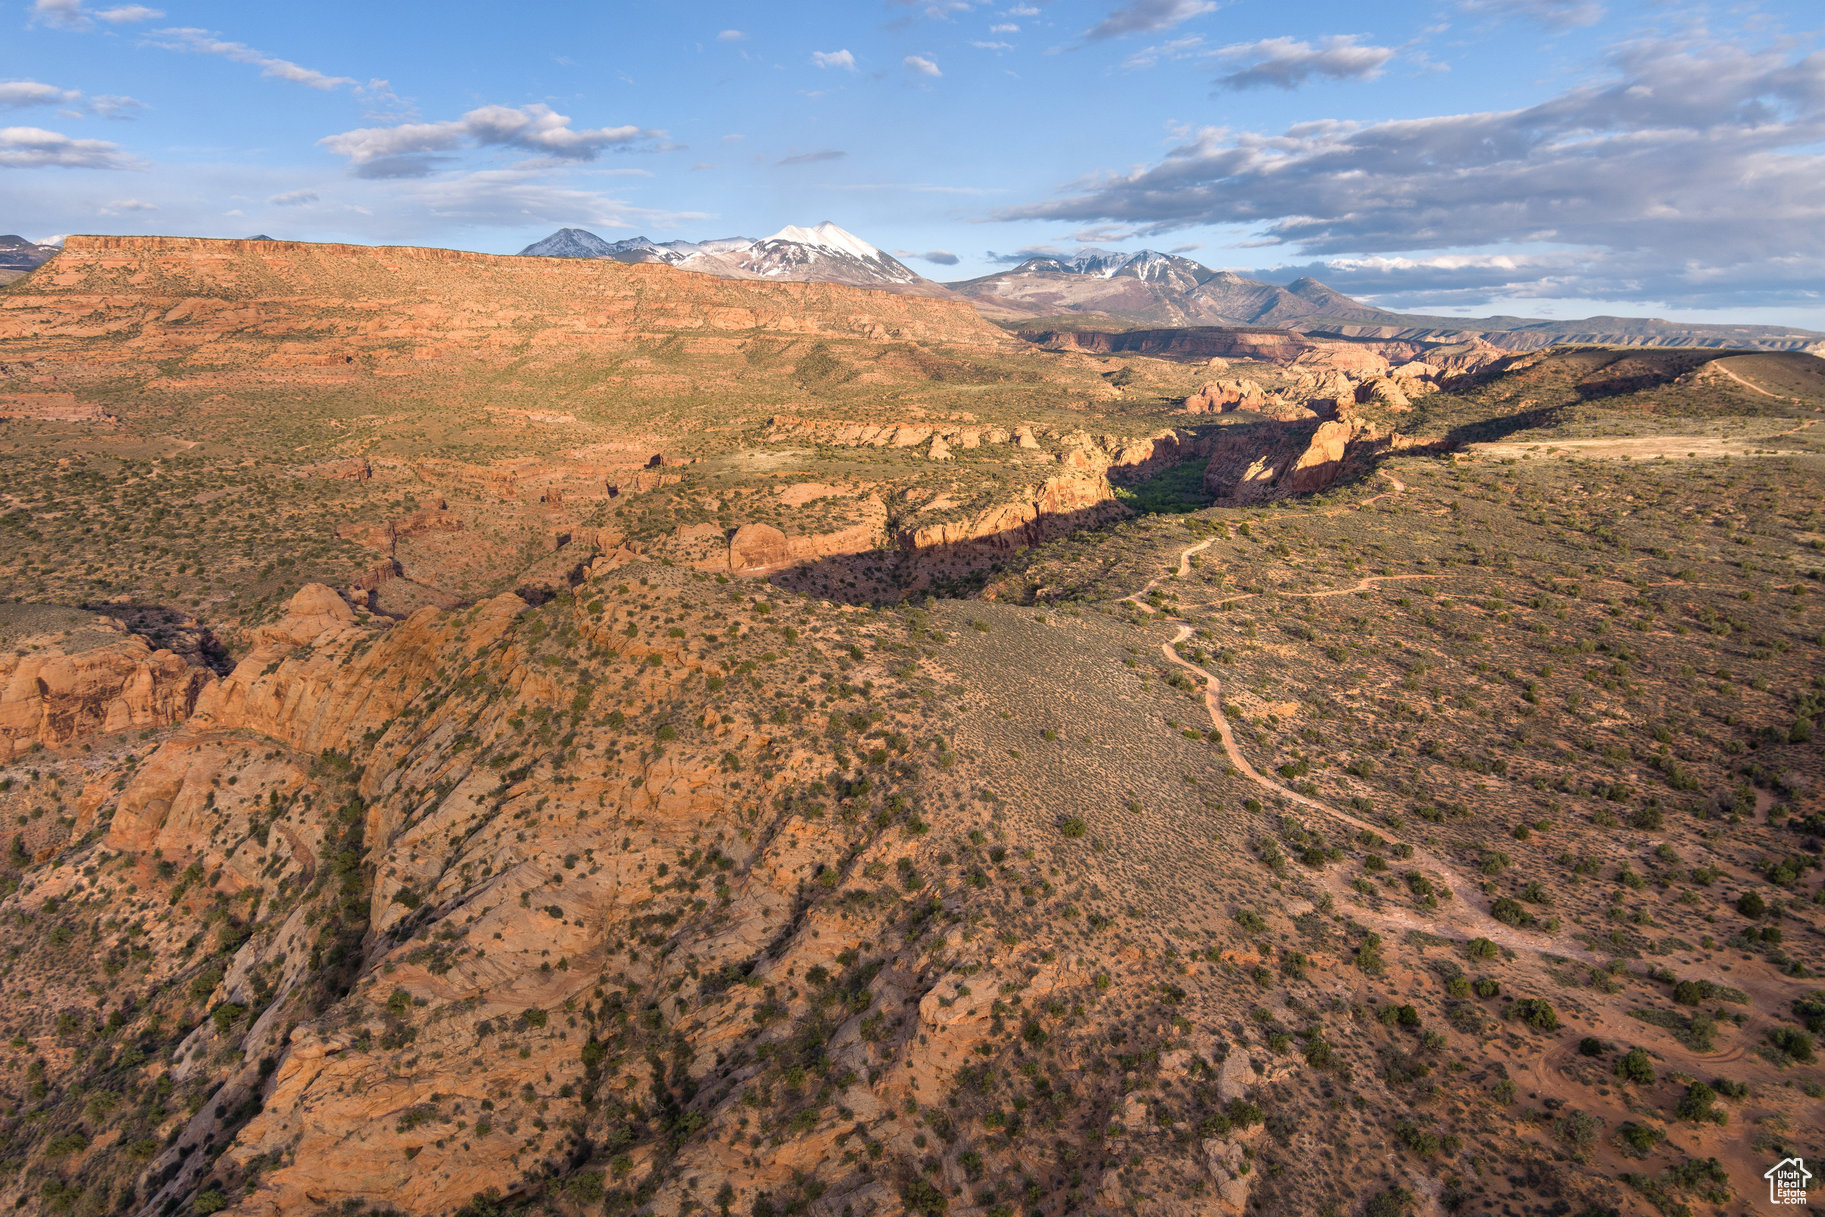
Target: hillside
544	737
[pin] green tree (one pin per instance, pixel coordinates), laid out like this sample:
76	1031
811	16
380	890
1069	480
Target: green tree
1636	1066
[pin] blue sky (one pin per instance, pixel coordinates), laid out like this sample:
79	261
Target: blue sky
1543	157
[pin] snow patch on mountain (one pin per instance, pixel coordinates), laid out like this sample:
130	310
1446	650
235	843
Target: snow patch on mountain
828	236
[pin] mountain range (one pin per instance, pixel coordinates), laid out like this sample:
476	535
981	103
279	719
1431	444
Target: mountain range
1097	289
1143	288
824	254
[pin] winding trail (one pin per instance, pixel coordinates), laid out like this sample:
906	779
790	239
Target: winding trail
1753	388
1473	921
1183	569
1400	487
1361	585
1466	916
1478	922
1463	917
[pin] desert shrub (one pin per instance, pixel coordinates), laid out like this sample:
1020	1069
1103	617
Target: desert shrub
1636	1066
1640	1139
1699	1105
1792	1043
923	1198
1535	1012
1578	1130
1416	1140
1395	1202
65	1143
1509	912
1810	1010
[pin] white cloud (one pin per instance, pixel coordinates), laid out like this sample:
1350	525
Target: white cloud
66	14
517	197
34	147
1187	47
1554	14
17	94
833	59
72	15
939	10
941	257
1006	27
112	105
1287	63
1685	171
128	14
730	36
411	149
921	65
120	205
1145	16
203	42
993	46
293	198
813	158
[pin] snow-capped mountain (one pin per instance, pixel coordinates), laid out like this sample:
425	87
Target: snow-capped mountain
579	243
827	254
1155	288
18	255
824	254
1149	265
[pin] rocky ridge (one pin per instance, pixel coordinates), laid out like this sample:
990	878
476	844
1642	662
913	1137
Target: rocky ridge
319	309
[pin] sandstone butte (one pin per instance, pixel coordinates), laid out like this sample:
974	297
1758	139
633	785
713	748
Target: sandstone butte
131	299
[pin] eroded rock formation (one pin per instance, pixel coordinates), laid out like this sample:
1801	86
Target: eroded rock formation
68	686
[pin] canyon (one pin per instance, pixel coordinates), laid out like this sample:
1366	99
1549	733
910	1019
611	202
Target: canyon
532	735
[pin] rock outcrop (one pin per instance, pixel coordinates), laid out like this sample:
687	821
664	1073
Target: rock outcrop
384	538
758	548
1057	506
1266	461
1221	396
53	408
68	687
